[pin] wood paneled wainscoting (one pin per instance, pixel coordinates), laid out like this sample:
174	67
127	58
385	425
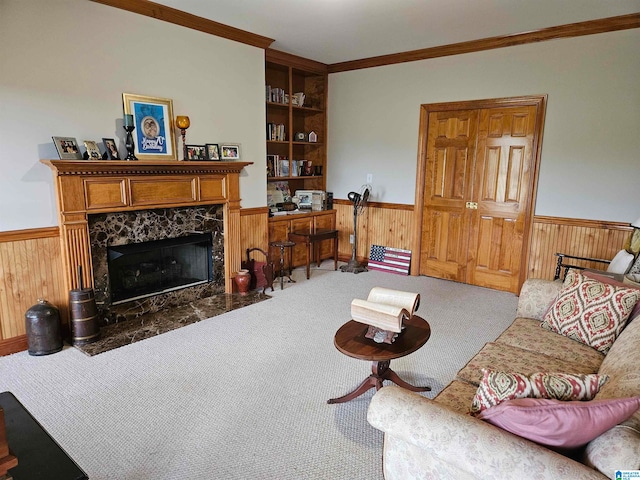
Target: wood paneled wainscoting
392	225
31	260
386	224
30	268
585	238
254	230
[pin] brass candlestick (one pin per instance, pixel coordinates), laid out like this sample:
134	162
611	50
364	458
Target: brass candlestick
183	122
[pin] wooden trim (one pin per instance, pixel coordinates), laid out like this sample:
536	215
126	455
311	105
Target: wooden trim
527	234
294	61
184	19
29	234
13	345
149	167
590	27
389	206
486	103
578	222
254	211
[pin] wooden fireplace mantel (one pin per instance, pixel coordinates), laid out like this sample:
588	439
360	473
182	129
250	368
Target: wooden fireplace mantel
84	187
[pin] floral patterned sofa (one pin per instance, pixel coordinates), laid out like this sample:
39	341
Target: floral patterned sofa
439	438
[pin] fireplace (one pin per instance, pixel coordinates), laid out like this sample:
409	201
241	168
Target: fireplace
90	188
140	270
148	260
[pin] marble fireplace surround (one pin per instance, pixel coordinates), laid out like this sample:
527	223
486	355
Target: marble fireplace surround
86	187
123	228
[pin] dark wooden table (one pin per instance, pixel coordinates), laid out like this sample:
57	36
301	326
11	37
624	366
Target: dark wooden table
39	456
351	341
314	238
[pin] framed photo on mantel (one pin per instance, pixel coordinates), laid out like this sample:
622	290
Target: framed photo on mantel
230	151
67	148
153	121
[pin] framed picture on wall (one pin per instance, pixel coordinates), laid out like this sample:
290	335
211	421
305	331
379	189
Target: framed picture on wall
153	121
67	148
230	151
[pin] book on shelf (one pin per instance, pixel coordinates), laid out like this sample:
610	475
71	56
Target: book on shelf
276	132
271	165
278	166
385	308
283	167
276	95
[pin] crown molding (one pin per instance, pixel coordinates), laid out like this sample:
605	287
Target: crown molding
591	27
178	17
295	61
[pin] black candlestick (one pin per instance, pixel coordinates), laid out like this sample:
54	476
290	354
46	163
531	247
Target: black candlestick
129	143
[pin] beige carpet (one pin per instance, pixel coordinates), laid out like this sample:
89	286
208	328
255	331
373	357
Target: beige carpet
243	395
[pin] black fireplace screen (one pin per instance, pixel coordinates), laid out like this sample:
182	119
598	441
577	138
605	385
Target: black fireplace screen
140	270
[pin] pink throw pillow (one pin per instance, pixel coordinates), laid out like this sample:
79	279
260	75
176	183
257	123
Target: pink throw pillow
558	424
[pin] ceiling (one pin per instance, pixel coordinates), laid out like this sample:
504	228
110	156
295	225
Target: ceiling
332	31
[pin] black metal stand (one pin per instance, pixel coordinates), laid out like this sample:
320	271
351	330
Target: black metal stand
354	266
131	146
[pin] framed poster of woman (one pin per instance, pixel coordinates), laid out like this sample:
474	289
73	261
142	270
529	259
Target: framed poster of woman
152	118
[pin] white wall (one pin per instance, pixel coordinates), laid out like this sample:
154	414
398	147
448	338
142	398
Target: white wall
590	164
64	65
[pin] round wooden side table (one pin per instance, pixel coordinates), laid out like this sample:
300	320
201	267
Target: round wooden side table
351	341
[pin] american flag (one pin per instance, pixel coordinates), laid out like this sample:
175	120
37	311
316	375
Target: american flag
387	259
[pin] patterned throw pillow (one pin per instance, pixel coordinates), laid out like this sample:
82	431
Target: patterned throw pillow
589	311
496	387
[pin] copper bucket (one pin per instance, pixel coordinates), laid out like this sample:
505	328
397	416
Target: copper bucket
83	314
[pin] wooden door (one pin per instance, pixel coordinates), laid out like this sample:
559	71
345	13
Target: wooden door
448	186
475	189
501	189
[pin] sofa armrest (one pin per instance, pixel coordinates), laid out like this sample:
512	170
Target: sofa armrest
464	442
535	297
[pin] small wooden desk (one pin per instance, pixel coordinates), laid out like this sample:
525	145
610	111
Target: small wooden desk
314	238
351	341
